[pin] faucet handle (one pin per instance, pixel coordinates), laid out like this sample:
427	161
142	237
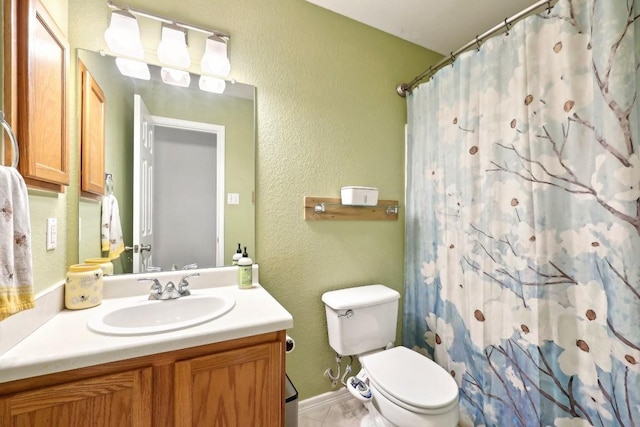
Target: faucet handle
156	288
183	286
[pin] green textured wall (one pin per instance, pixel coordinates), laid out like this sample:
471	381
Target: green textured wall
327	116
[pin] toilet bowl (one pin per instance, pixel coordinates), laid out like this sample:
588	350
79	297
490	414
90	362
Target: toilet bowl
400	387
408	389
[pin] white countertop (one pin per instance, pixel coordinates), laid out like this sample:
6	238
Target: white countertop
65	342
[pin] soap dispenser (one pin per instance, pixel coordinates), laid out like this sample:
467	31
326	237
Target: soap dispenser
236	257
245	273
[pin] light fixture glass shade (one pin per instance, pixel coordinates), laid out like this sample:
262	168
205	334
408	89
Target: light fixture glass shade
132	68
123	35
172	49
212	84
215	60
175	77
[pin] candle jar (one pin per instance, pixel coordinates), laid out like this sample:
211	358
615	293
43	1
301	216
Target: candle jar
105	264
83	286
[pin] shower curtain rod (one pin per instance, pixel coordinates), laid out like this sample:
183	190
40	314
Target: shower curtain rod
404	88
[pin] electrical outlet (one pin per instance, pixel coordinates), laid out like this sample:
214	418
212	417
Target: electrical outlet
233	198
52	233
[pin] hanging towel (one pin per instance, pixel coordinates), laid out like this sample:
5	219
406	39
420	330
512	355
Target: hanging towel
16	275
111	235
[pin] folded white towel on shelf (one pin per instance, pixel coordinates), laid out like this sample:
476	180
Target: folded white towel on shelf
111	234
16	274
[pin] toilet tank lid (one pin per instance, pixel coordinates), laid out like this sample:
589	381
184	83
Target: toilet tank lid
360	296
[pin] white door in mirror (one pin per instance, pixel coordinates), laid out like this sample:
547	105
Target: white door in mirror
143	137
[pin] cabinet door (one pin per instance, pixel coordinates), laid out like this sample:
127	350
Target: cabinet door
42	62
92	134
115	400
239	388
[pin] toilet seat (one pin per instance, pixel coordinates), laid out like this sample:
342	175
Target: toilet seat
411	380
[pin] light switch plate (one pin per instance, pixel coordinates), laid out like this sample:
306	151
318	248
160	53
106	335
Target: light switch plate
52	233
233	198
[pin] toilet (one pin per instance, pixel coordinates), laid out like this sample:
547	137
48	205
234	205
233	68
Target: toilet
399	386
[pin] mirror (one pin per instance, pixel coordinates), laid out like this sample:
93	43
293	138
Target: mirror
188	123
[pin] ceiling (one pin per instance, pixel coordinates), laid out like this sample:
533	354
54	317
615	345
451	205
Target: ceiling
443	26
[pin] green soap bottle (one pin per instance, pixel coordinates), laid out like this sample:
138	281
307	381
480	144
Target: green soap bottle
245	273
236	257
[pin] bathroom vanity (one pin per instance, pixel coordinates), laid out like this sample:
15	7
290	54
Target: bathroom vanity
227	371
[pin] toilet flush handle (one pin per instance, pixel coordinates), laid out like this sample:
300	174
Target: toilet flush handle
347	314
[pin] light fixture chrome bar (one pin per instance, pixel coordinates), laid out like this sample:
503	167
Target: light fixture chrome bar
150	15
404	88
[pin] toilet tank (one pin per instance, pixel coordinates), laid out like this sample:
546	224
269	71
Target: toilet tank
361	319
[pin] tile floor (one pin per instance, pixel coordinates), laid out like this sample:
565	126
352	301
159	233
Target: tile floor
343	414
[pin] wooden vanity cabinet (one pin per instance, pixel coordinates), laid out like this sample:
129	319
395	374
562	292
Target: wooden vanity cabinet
93	118
122	399
36	55
233	388
235	383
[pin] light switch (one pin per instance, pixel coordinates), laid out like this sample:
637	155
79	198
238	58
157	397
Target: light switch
52	233
233	198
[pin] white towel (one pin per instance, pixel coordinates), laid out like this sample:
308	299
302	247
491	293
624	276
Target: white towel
111	235
16	274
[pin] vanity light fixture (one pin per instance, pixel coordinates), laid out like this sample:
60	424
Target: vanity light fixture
175	77
133	68
172	49
215	60
123	35
212	84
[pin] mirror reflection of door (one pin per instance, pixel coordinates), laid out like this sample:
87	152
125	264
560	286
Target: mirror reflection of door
185	214
234	109
143	144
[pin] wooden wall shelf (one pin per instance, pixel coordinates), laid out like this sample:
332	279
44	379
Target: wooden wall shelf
330	209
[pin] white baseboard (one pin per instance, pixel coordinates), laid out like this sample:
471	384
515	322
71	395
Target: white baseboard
323	400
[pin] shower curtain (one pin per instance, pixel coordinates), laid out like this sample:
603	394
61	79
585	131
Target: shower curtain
523	220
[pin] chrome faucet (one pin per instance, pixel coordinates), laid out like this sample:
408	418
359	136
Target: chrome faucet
156	288
170	290
192	266
183	285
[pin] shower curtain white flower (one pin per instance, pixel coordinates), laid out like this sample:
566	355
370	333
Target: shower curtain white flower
523	220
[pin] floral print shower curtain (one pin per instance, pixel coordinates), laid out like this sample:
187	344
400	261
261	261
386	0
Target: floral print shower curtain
523	220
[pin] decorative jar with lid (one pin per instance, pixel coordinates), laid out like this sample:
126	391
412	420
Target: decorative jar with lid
83	286
105	264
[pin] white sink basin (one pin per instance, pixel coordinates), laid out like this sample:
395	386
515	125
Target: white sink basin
154	316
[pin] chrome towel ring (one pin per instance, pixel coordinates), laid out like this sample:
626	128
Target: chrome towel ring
12	137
